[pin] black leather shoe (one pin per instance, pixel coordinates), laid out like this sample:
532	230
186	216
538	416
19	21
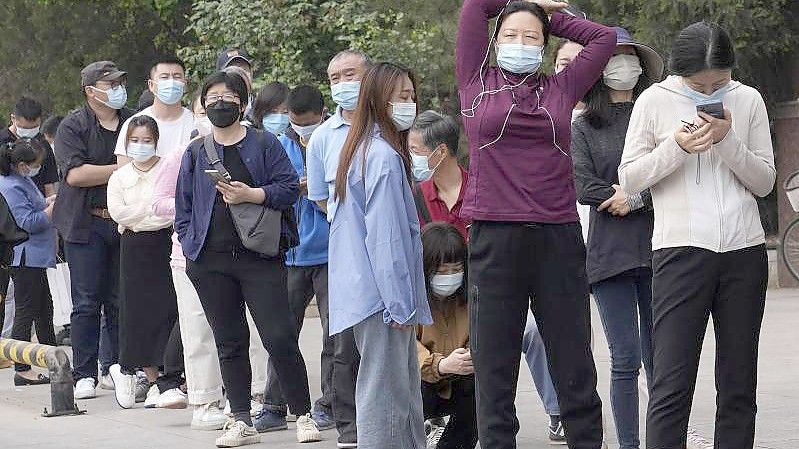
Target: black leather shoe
20	381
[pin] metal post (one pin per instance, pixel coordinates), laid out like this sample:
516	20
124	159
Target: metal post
56	360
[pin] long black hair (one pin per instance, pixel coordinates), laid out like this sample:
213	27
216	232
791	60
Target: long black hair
597	100
22	150
532	8
442	243
701	46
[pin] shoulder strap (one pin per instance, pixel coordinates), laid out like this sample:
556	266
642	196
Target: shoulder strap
213	156
421	206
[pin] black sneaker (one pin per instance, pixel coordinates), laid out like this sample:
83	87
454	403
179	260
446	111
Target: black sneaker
557	435
62	338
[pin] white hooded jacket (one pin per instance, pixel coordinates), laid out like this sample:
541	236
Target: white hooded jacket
705	201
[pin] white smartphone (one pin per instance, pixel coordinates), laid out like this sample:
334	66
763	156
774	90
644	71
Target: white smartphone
217	176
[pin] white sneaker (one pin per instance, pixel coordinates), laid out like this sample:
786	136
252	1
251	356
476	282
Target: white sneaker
105	382
84	389
172	399
255	408
208	417
124	386
307	432
347	445
151	401
238	434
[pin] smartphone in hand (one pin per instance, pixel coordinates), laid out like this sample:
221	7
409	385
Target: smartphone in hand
715	110
217	176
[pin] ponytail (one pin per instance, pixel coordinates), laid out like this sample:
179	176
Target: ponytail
23	150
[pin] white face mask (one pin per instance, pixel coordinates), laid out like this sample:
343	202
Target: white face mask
305	131
403	115
445	285
27	133
141	152
622	72
203	125
421	166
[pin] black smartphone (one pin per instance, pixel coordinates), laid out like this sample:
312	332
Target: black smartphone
216	176
715	110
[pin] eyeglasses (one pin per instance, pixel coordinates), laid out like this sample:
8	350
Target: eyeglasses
111	84
230	98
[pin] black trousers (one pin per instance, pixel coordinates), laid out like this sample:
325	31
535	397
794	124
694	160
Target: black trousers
513	266
461	430
689	285
346	360
32	305
173	362
303	284
225	282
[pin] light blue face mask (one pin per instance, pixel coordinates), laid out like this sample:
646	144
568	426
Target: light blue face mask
699	98
117	97
421	166
346	94
276	123
33	171
169	91
519	58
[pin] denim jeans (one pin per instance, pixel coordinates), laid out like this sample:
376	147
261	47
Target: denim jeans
94	272
625	306
536	356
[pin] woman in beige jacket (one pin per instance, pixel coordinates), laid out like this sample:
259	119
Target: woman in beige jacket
704	173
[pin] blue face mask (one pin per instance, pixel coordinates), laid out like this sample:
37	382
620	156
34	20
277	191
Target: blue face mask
519	58
699	98
117	97
169	91
33	171
346	94
276	123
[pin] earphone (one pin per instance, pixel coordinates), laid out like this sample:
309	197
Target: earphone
478	100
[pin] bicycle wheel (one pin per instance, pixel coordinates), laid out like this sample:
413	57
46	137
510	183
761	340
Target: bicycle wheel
790	248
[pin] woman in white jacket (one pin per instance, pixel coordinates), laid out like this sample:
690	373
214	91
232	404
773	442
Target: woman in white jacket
709	246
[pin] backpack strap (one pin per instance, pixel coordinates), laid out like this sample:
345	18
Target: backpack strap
421	206
213	156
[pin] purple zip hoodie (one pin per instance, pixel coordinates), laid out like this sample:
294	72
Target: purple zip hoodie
526	175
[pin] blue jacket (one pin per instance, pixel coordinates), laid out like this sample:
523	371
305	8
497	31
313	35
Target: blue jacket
195	193
27	206
311	221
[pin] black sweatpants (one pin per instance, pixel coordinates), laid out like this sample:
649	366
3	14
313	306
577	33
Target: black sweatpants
513	266
32	305
689	285
346	360
461	430
225	282
173	362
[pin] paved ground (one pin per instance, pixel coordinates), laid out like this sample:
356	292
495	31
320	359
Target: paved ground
107	426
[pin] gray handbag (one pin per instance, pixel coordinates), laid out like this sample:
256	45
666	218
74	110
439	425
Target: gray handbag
258	226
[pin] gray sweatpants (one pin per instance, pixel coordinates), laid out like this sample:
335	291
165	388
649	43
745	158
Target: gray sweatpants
388	394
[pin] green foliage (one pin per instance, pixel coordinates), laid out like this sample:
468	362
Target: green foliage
765	33
45	44
293	40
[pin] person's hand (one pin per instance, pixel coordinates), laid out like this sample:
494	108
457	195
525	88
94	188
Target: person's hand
304	186
50	199
49	210
719	127
459	363
550	6
618	204
696	142
237	192
396	325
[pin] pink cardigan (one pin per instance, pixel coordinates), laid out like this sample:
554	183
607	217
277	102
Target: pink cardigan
164	200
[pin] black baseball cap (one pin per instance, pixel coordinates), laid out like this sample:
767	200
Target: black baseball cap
231	54
100	71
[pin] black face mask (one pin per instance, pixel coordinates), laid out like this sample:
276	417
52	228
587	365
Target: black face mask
223	113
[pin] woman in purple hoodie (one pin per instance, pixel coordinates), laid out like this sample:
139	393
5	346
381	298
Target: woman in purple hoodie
526	241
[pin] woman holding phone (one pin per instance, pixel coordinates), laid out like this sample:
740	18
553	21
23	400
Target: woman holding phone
709	246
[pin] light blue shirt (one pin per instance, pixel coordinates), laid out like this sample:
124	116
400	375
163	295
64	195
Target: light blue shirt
375	250
323	151
27	205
